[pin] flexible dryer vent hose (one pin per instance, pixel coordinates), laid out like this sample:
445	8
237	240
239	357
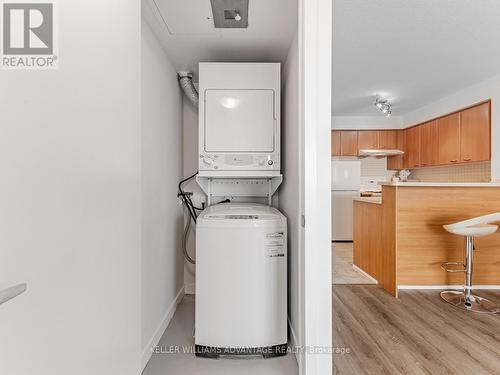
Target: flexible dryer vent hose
187	85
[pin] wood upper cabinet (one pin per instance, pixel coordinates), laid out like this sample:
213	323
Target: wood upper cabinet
449	139
429	144
368	139
460	137
348	143
396	162
475	141
388	139
411	158
335	143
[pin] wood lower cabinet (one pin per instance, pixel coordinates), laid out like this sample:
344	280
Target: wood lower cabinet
388	139
475	144
411	158
429	145
366	249
368	140
336	150
449	139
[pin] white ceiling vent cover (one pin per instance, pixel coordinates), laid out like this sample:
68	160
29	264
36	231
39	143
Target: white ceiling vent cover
230	14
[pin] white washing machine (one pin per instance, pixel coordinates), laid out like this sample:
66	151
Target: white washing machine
241	281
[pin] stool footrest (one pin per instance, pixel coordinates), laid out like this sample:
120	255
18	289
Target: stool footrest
453	267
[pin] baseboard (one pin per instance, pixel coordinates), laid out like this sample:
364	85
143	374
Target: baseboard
364	273
295	343
147	352
434	287
190	288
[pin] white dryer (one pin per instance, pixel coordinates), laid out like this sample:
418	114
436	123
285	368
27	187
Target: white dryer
239	118
241	281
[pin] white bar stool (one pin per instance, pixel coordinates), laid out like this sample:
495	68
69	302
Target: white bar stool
476	227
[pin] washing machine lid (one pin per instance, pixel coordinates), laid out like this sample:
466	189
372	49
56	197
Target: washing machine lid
240	211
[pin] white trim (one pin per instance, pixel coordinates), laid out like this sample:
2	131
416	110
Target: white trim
294	343
364	273
315	52
459	287
190	288
147	352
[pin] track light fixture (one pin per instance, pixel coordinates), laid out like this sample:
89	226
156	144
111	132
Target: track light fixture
383	106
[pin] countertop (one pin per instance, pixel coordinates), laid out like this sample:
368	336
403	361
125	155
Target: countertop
441	184
376	200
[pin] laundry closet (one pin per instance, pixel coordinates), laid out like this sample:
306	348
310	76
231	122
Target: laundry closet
238	76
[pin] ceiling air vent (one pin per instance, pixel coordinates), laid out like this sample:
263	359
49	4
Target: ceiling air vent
230	14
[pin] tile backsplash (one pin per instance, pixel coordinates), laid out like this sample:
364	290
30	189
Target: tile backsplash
373	171
474	172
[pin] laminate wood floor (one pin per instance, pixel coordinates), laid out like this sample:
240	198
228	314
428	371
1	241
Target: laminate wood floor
415	334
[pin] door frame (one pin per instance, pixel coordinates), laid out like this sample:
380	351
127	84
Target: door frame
315	83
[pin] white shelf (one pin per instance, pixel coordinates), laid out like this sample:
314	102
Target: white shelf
235	185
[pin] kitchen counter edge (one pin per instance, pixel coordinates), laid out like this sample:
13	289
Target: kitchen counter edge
441	184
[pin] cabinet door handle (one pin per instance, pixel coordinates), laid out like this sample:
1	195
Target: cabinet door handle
454	160
467	159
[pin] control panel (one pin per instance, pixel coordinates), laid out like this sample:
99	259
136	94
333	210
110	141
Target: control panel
222	162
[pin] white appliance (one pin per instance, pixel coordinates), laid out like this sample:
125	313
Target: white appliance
239	117
241	281
346	183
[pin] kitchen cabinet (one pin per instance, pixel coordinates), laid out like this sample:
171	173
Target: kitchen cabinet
429	144
475	137
388	139
396	162
368	140
460	137
367	249
449	139
411	158
344	143
335	143
348	143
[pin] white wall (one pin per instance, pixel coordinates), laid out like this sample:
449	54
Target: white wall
162	260
367	122
290	189
489	89
70	161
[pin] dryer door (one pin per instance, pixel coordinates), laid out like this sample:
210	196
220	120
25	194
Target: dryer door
239	121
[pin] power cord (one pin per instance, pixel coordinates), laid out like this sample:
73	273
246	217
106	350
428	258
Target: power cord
193	214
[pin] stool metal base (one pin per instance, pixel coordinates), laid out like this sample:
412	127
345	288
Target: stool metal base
470	303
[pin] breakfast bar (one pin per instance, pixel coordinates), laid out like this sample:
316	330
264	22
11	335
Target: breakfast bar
399	239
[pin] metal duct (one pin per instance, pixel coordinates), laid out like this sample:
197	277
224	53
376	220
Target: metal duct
187	85
230	14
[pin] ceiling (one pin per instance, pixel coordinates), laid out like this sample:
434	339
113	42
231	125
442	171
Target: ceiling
186	30
410	52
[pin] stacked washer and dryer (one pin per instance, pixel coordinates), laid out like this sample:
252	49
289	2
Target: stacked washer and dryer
241	248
